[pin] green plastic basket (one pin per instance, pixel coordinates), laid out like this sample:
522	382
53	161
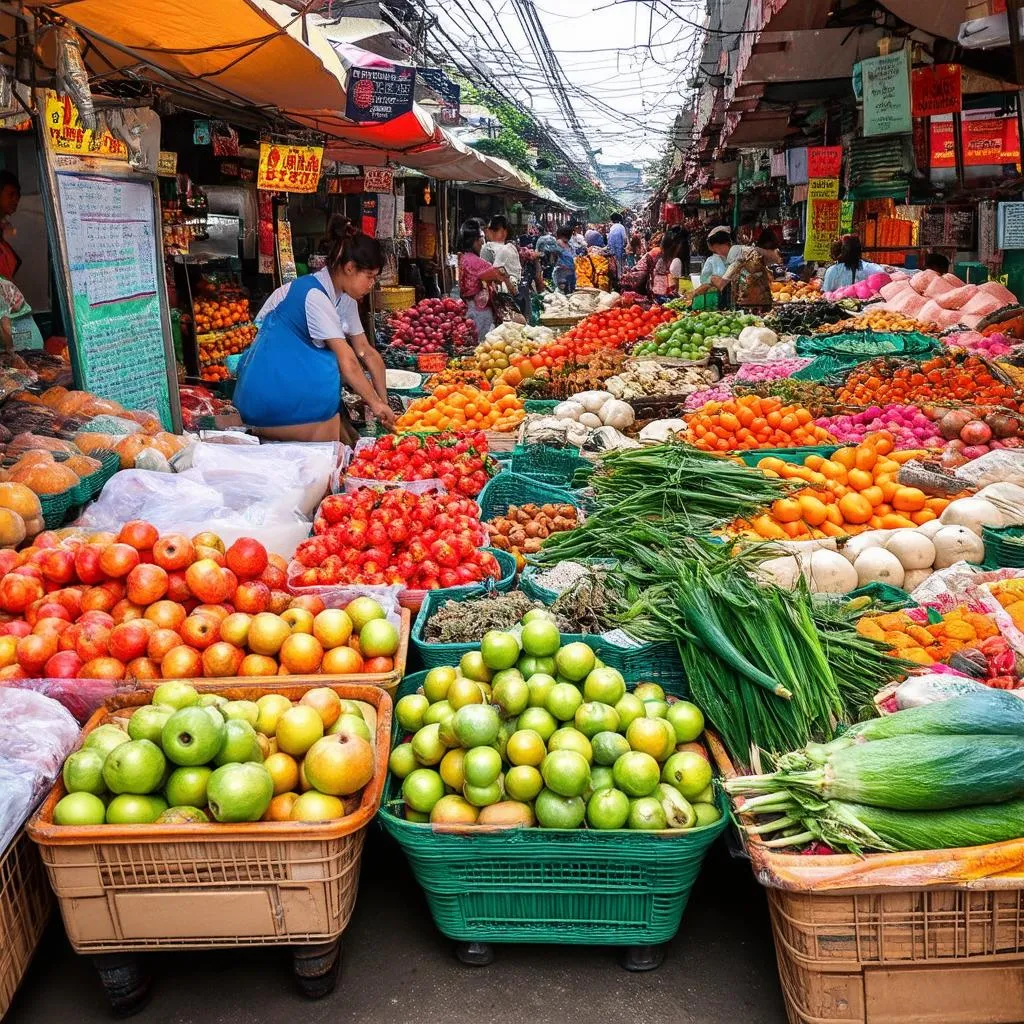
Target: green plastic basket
540	406
554	466
512	488
55	507
824	367
89	486
1000	551
753	457
555	886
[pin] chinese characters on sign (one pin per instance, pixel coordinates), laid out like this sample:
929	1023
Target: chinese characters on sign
376	95
886	84
823	218
167	164
936	90
67	135
289	168
378	179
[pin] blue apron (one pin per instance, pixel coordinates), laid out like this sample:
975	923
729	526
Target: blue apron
284	379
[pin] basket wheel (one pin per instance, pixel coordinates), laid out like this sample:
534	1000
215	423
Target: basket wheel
642	958
317	968
474	954
127	986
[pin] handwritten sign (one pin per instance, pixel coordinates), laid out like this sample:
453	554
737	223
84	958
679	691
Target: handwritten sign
66	134
846	217
289	168
1010	226
823	218
886	83
986	140
378	179
167	164
823	188
376	95
113	246
936	90
824	161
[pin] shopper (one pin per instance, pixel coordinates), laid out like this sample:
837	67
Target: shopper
595	237
617	240
310	340
578	240
665	284
476	276
501	253
547	246
850	268
10	196
713	270
564	274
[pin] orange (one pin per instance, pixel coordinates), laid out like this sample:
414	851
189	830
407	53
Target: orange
855	508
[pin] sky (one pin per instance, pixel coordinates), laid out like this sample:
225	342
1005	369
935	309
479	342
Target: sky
625	92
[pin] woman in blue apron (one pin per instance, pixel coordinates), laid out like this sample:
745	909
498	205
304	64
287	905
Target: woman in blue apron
310	341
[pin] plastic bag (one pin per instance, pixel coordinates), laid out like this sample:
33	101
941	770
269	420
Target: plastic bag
355	483
36	729
116	425
81	697
21	787
1005	465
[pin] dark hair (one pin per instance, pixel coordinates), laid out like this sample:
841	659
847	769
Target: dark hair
937	262
10	178
672	245
469	235
616	218
767	240
499	222
564	232
835	249
850	255
719	235
343	242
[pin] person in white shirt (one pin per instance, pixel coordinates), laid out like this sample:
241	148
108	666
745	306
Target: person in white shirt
499	252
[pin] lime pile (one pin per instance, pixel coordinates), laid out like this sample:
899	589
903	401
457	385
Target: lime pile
690	337
529	730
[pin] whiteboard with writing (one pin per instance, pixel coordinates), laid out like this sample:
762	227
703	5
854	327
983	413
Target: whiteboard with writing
1010	226
113	251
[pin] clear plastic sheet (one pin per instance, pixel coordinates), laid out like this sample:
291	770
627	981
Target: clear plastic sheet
81	697
1005	465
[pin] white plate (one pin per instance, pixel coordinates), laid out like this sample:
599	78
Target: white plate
402	380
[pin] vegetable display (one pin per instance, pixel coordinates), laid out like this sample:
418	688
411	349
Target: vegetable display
752	422
613	328
505	352
596	409
459	462
522	529
433	325
463	407
693	335
805	317
908	425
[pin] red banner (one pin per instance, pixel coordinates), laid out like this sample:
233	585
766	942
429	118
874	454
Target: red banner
989	140
824	161
935	90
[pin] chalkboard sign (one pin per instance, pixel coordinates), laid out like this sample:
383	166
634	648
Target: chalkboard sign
932	228
119	345
1010	220
947	226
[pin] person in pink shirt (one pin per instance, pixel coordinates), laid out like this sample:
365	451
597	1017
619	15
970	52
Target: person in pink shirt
476	276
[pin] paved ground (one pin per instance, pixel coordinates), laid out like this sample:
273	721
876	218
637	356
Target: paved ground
399	970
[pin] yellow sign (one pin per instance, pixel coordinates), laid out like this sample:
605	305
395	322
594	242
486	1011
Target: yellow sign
823	216
289	168
167	164
823	188
66	133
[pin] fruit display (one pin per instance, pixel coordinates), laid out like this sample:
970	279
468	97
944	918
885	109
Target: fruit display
877	319
424	541
220	311
970	433
433	325
532	731
509	347
21	515
987	346
140	605
459	461
910	634
943	378
752	422
215	372
753	373
909	426
523	528
610	328
796	291
463	407
942	300
806	317
559	382
189	758
693	335
866	289
854	490
216	347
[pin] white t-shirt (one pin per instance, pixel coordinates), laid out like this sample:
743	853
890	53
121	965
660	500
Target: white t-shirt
327	316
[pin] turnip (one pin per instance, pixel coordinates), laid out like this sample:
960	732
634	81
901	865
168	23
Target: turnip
975	432
953	422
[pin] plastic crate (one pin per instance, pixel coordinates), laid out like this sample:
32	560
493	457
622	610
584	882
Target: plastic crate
148	887
562	886
934	936
412	600
513	488
1000	552
25	905
549	465
540	406
91	485
55	507
754	456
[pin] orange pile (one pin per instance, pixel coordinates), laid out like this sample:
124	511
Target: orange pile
463	407
753	422
927	644
885	380
853	491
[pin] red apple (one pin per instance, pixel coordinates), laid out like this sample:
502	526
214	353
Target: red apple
97	616
142	668
181	662
46	539
146	584
14	671
222	659
63	665
160	642
118	560
68	640
280	601
58	565
18	591
215	611
87	564
54	626
10	559
71	599
274	577
35	651
257	665
166	614
247	558
200	631
313	605
252	597
207	581
208	539
93	641
18	628
103	668
27	569
211	553
139	534
177	587
173	551
129	640
125	611
51	609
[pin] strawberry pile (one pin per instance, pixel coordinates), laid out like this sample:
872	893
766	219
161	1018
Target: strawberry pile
424	541
459	461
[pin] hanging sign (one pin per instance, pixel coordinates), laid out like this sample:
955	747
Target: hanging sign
66	133
368	221
1010	226
986	140
447	91
201	133
285	253
376	95
796	166
167	164
936	90
823	188
378	179
886	84
824	161
289	168
823	219
846	217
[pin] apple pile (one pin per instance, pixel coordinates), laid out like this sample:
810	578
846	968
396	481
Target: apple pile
187	758
433	325
145	606
459	461
425	541
529	730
